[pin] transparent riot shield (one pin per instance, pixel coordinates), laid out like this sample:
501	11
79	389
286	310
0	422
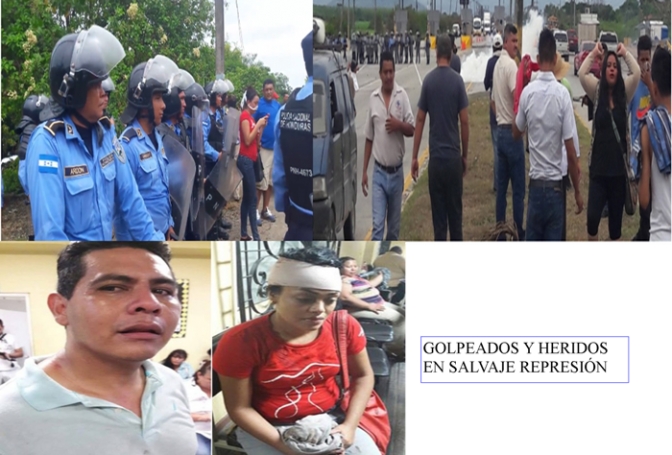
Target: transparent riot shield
225	175
198	153
181	177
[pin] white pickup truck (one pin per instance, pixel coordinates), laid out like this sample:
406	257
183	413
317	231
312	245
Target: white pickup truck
562	43
610	39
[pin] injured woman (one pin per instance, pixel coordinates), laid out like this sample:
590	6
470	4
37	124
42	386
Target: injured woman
279	372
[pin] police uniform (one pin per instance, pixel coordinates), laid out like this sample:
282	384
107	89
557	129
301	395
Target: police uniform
149	167
410	46
211	154
417	47
26	129
293	172
75	193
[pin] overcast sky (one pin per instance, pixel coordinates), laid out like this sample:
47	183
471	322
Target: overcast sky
273	30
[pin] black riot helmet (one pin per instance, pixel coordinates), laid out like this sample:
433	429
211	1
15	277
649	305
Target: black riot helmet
80	60
34	105
180	83
195	96
146	79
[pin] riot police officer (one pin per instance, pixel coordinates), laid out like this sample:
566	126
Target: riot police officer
77	170
214	130
417	47
292	172
406	44
411	45
144	145
32	107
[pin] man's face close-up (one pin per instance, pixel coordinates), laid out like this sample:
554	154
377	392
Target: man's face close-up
125	307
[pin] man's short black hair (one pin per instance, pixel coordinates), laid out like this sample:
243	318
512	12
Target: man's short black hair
547	46
644	44
660	70
396	249
386	56
509	30
71	267
444	47
268	81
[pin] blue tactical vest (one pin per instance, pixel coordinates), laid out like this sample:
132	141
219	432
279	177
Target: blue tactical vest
296	141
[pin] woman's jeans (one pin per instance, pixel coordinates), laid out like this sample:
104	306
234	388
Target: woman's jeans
248	206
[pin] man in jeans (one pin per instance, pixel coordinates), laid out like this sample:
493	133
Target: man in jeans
444	98
487	82
545	109
267	106
510	151
390	119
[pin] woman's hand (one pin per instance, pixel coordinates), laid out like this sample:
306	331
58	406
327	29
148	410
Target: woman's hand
262	122
621	50
598	51
377	307
347	432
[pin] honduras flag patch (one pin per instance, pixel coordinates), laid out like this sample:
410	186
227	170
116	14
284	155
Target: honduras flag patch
48	164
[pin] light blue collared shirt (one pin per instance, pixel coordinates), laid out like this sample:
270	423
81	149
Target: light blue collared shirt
38	415
279	180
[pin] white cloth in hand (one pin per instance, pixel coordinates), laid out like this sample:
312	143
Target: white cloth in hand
311	435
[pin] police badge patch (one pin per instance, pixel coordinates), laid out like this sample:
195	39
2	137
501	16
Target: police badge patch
119	150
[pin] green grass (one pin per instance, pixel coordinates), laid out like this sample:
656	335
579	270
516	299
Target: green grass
478	199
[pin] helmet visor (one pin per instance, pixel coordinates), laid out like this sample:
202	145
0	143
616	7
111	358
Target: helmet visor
108	85
220	86
96	51
182	80
160	71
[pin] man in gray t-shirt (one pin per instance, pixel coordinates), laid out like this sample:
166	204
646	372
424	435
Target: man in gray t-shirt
444	98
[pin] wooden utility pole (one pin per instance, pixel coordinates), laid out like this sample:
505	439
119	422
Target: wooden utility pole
375	17
219	39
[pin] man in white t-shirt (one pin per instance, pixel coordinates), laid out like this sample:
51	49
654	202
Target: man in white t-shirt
545	110
9	353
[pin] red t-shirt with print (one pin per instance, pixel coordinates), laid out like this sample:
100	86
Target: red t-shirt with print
251	150
289	381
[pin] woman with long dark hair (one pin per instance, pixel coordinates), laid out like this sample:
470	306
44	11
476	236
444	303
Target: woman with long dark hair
250	134
279	371
176	361
611	94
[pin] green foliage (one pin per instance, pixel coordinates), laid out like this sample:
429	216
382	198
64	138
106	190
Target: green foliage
176	29
10	178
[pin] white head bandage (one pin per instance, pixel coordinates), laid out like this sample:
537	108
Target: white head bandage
288	272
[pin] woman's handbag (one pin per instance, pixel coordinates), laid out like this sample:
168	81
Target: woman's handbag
375	420
631	194
258	169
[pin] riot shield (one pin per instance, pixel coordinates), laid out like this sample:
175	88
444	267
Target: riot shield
198	153
225	175
181	177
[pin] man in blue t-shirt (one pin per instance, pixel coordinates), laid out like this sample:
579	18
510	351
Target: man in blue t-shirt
638	108
267	106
